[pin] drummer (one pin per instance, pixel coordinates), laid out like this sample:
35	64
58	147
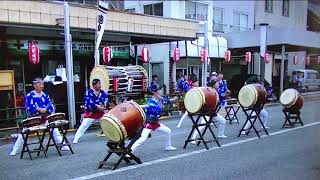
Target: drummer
38	104
95	104
153	110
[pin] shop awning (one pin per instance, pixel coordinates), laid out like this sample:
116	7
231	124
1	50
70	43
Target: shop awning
217	47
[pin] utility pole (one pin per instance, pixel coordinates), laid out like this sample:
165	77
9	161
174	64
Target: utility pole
69	66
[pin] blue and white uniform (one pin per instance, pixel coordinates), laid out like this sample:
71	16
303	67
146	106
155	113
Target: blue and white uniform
91	114
222	90
34	101
153	110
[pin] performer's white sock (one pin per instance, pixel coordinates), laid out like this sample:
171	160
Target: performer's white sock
185	116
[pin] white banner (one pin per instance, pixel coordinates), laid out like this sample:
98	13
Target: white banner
101	22
263	40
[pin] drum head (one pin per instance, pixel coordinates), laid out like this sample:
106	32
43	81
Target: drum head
99	72
247	96
111	129
288	97
193	100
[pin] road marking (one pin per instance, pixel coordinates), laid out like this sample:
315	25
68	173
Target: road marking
109	172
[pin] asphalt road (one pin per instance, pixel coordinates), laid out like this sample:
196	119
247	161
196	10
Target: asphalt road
285	154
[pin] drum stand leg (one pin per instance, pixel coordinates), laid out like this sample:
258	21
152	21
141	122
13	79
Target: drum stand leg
64	138
196	126
50	130
121	150
231	115
25	136
291	116
250	116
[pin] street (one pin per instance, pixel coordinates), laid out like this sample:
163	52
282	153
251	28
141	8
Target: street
284	154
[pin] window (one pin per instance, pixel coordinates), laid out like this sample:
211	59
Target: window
154	9
132	10
196	11
268	6
218	20
285	8
240	22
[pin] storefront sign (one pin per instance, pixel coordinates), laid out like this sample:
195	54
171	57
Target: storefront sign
33	50
120	52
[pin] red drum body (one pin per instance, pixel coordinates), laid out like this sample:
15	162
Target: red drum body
203	99
123	121
252	95
291	100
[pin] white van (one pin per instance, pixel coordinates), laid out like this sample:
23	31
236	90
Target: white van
310	77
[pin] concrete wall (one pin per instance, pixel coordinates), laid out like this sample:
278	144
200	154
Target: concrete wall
45	13
297	14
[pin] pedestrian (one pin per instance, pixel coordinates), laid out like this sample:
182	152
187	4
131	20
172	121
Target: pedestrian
153	110
38	104
154	81
95	106
222	90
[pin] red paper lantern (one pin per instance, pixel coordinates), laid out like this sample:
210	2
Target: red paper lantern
266	58
227	56
248	57
318	59
295	60
307	60
34	52
176	54
203	55
145	55
106	53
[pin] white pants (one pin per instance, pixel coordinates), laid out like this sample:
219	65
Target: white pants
145	133
18	144
184	117
263	116
86	123
222	124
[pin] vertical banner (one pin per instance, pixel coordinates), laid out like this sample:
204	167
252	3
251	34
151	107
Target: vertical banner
101	22
34	52
318	60
266	58
263	40
248	57
203	55
295	60
307	60
176	54
145	55
106	54
227	56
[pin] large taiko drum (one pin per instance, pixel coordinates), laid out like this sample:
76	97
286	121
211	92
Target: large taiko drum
252	95
123	121
291	100
129	80
203	99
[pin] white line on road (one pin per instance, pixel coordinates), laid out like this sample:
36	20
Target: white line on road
186	154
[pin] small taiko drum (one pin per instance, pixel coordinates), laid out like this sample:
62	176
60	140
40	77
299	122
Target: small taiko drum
204	99
57	118
291	100
252	95
32	122
123	121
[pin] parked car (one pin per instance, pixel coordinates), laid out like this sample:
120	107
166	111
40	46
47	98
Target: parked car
309	77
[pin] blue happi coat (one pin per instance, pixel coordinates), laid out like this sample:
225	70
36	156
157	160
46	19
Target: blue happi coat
153	109
91	99
33	102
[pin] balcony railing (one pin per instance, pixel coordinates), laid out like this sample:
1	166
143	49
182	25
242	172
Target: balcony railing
224	28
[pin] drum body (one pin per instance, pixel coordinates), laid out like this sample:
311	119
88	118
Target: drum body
252	95
203	99
291	100
123	121
129	80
